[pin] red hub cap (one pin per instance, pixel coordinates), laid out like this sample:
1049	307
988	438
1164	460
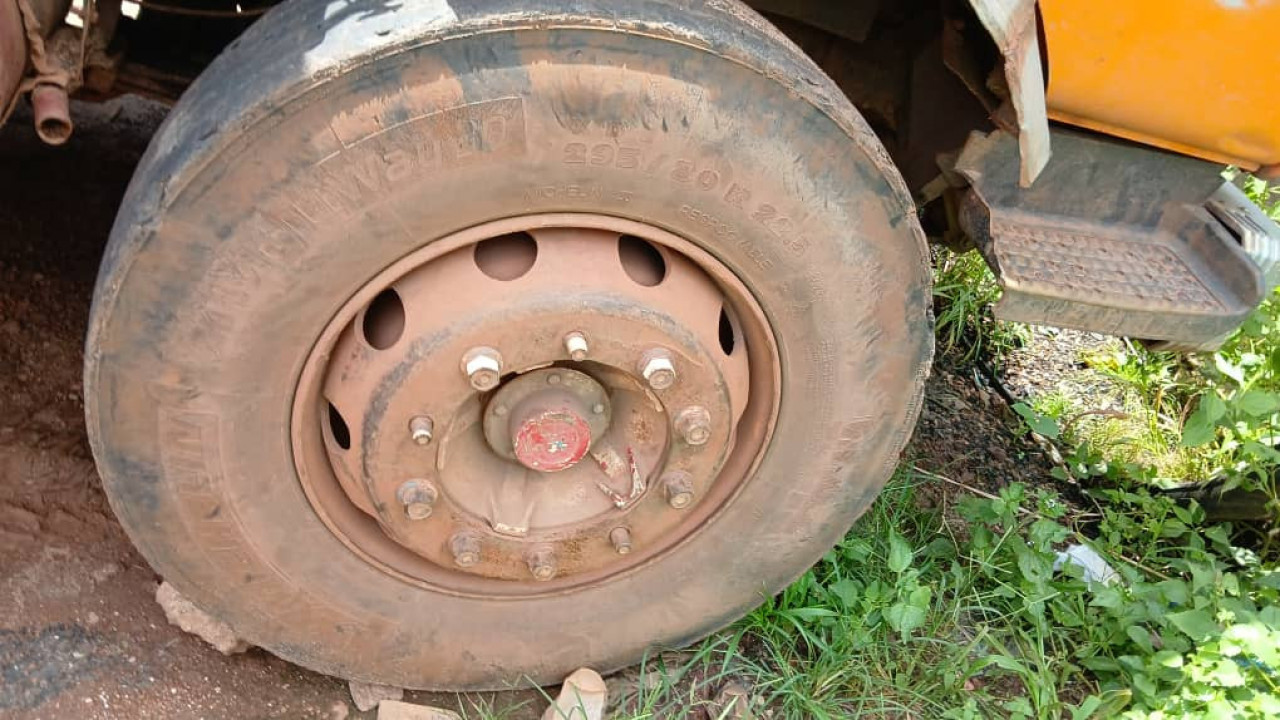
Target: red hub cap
552	440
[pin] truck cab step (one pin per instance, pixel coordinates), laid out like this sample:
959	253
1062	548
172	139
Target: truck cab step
1118	239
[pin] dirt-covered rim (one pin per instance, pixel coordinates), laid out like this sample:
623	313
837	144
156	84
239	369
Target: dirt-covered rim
535	405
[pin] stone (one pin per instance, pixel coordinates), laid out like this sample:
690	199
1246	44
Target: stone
183	613
396	710
367	696
582	697
733	702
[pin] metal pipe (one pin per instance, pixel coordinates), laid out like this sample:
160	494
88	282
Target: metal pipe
52	113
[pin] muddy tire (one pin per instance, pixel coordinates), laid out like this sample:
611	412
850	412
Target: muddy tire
333	152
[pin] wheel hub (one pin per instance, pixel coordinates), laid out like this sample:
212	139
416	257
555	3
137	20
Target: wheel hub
549	406
547	419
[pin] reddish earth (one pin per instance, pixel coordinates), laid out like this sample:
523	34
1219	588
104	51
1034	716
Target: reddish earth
80	633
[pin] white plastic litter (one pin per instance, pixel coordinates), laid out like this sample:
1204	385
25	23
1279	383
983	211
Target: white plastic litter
1096	569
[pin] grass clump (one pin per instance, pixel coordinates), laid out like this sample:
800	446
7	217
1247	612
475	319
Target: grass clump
964	291
972	614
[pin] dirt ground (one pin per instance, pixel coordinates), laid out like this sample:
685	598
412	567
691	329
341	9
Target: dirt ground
80	633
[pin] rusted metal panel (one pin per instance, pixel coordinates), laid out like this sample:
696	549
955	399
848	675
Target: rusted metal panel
1012	24
1113	238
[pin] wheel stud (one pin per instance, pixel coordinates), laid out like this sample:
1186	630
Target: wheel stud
418	498
465	548
679	488
483	366
658	369
621	539
575	343
694	425
421	429
542	563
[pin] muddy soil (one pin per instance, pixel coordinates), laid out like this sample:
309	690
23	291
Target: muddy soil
80	633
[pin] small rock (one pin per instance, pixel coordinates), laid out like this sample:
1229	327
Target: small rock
652	680
733	702
107	571
184	614
396	710
582	697
367	696
339	710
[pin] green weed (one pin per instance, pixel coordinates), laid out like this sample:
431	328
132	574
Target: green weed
964	291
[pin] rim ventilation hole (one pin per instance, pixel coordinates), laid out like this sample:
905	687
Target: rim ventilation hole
728	335
506	257
642	261
338	428
384	320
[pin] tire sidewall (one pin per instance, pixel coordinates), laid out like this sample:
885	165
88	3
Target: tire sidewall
244	265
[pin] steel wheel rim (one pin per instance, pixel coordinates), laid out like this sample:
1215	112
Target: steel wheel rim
512	566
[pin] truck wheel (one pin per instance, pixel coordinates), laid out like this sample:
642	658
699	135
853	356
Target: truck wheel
455	345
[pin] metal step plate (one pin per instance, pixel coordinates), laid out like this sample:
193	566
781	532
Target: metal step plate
1111	238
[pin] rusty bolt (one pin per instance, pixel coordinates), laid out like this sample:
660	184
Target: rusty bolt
418	498
694	425
465	548
621	539
483	366
575	343
679	489
658	369
420	429
542	563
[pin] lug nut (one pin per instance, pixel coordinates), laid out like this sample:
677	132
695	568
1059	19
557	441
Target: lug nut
658	369
420	429
679	488
418	498
575	343
465	548
542	563
621	539
694	425
483	366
